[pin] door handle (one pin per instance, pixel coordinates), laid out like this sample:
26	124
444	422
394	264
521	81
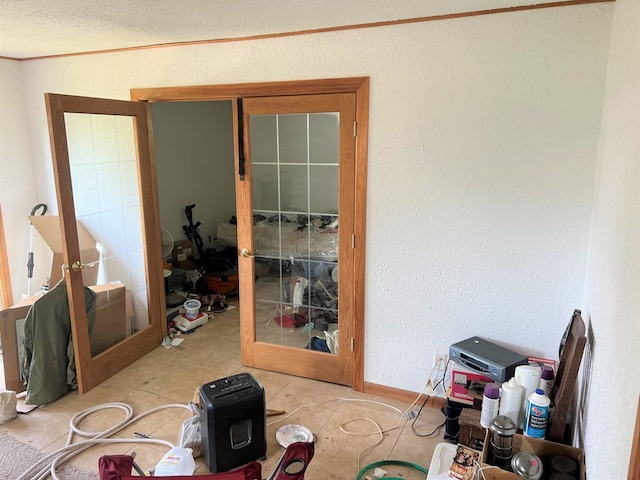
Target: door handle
246	253
77	266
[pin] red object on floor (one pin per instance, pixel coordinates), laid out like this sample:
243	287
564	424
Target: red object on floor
294	462
113	467
292	466
251	471
293	320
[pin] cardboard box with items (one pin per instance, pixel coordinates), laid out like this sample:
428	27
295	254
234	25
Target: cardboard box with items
540	458
467	387
183	253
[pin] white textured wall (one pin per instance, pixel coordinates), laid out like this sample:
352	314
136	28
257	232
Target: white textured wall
612	297
483	140
17	189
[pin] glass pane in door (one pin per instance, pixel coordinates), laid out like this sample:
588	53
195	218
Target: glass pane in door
105	184
294	174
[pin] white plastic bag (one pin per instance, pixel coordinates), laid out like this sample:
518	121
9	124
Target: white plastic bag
8	405
298	290
332	341
190	434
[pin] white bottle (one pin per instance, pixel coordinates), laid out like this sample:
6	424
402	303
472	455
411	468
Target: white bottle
177	461
511	400
547	379
490	401
528	377
537	415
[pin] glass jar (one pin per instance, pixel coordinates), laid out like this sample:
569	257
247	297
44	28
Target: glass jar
503	429
527	465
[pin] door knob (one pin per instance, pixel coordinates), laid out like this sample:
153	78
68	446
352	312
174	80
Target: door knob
77	265
246	253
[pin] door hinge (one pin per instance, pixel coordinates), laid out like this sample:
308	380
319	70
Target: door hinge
353	344
241	153
353	240
355	128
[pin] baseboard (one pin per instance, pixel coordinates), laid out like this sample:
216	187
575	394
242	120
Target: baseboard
405	395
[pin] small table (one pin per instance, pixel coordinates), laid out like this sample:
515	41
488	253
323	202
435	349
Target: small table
472	434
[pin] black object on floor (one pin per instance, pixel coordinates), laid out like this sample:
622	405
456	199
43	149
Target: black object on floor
233	421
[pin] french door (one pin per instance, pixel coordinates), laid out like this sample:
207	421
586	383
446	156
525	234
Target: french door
296	196
108	219
266	275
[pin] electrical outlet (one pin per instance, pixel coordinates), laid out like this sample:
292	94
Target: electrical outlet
440	357
436	381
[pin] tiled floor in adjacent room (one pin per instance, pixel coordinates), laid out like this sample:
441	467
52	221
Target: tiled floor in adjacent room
171	376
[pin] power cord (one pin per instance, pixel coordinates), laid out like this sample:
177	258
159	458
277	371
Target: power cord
480	471
434	431
434	387
378	430
48	464
404	416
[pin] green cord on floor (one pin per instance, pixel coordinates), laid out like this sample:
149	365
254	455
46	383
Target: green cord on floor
382	463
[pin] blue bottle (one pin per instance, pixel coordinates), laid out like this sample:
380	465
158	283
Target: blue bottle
536	416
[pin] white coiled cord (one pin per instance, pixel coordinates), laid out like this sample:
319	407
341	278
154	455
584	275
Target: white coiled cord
48	464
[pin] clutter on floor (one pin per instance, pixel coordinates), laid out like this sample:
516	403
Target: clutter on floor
8	405
513	410
50	463
229	430
292	433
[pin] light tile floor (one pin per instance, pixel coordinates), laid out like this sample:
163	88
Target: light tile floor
171	376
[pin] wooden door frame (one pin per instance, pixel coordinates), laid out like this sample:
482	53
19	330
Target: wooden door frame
93	370
6	293
634	462
357	85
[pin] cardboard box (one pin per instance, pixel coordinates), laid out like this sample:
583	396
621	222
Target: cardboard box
467	387
110	325
542	448
185	246
48	226
183	255
114	311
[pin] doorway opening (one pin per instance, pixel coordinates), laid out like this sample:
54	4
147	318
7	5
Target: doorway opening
193	143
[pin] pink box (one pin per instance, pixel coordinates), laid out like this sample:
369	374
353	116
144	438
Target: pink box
467	387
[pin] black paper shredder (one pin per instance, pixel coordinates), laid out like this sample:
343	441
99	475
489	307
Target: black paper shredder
233	422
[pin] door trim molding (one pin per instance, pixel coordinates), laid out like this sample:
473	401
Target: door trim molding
265	89
404	395
6	293
634	462
357	85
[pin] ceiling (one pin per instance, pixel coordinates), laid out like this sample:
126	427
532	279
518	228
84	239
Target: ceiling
37	28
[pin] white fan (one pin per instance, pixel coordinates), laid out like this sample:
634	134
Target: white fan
167	242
